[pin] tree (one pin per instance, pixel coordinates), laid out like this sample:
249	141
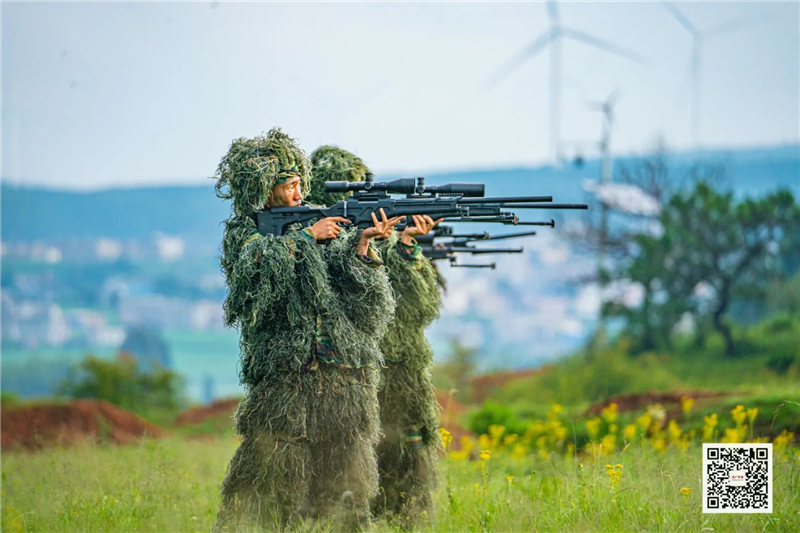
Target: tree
156	395
708	237
732	245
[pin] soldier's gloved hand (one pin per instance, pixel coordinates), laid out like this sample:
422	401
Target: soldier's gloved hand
380	230
328	228
423	224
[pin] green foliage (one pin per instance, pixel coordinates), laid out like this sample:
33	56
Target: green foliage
156	396
708	237
577	381
9	399
494	413
780	363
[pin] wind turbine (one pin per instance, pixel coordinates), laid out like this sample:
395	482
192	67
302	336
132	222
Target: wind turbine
553	37
697	42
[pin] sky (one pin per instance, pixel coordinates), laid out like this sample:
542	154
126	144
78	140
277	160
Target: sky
98	95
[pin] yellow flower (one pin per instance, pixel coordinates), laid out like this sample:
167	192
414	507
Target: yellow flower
644	421
593	427
686	491
711	422
485	455
609	444
496	431
509	479
467	444
447	438
609	413
738	413
751	414
686	404
484	441
630	432
674	431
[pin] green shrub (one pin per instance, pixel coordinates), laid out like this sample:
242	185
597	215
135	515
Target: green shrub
493	413
156	395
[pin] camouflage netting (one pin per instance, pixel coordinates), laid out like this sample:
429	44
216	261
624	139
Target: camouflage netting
253	166
308	436
331	163
407	402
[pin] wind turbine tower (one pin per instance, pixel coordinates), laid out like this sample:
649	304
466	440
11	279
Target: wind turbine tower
697	43
553	37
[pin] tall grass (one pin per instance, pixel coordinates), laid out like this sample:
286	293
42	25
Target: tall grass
171	485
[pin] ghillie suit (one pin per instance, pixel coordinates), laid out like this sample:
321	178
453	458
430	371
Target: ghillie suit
310	317
407	453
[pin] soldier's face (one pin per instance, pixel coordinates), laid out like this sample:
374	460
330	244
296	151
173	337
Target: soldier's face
286	194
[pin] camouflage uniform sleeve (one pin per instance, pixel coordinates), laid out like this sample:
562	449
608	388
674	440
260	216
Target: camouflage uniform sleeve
361	283
262	272
414	282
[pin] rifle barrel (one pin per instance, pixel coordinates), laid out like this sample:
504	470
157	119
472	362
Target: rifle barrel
543	206
505	199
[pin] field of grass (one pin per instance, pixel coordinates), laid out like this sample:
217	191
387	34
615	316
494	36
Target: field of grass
171	485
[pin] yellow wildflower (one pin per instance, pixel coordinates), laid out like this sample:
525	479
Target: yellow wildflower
496	431
739	415
593	427
686	404
485	455
447	438
467	444
609	413
629	432
674	431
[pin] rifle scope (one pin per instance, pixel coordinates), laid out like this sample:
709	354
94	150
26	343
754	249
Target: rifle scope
398	186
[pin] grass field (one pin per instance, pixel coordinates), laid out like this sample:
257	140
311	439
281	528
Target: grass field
171	485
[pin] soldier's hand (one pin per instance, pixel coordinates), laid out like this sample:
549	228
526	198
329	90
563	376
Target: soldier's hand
328	228
382	228
423	224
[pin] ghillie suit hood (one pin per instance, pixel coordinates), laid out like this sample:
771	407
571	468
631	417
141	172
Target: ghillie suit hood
331	163
253	166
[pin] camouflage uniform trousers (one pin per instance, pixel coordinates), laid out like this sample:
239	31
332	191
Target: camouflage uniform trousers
408	450
307	452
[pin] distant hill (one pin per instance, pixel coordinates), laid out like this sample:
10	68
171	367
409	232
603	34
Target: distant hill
194	213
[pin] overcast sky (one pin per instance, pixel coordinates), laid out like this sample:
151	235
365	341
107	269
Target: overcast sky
103	94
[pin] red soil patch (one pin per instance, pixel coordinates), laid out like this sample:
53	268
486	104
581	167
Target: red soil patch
639	401
38	426
198	415
483	386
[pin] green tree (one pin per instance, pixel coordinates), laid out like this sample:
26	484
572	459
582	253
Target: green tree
156	395
735	248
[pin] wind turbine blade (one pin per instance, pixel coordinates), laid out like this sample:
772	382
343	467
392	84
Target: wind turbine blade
524	55
604	45
736	24
552	11
682	20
